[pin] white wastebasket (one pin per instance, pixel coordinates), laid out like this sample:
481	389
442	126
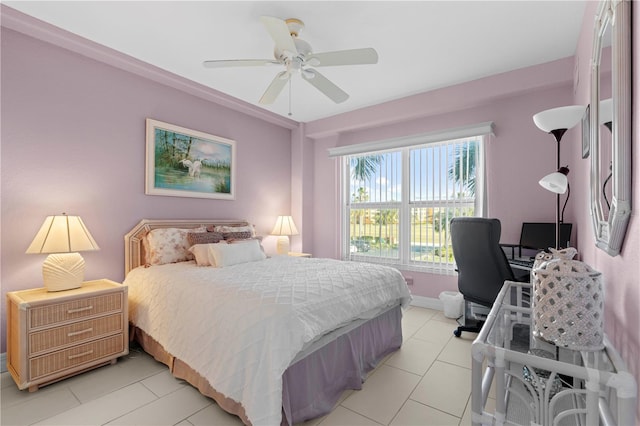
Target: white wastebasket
453	303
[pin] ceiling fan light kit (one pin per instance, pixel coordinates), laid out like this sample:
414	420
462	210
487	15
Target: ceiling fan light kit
297	56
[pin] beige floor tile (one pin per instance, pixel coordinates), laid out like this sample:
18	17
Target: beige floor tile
457	351
382	394
104	409
445	387
440	317
437	332
342	417
6	380
167	410
11	395
128	370
184	423
415	414
415	356
41	406
163	383
418	316
409	329
490	407
214	415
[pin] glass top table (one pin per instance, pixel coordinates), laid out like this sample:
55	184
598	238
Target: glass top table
537	382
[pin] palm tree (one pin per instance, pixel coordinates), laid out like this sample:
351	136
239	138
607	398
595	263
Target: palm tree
363	168
463	169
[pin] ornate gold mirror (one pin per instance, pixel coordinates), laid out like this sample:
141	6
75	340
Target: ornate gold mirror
610	125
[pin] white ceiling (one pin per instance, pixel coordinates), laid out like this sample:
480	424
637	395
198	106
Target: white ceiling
422	45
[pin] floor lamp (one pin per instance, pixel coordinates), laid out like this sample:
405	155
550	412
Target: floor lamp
557	121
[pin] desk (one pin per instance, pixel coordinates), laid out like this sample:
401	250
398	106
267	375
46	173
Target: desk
590	387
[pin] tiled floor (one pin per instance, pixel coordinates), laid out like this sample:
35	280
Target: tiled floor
426	382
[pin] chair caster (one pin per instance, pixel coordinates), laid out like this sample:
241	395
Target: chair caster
457	333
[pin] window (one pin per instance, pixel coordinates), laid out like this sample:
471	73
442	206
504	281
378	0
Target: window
398	203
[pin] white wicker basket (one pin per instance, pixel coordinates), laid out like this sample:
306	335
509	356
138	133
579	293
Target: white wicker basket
567	305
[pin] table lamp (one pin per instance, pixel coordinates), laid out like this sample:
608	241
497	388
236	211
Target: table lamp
62	237
284	227
557	121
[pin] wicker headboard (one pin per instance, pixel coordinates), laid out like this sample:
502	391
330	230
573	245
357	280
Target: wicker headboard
133	248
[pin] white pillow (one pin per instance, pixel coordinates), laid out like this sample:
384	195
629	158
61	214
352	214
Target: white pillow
201	253
232	254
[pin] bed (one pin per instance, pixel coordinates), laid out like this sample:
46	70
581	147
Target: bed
271	340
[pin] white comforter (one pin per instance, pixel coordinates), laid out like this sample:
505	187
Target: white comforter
241	326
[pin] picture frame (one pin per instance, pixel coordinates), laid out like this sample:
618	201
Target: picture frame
182	162
586	132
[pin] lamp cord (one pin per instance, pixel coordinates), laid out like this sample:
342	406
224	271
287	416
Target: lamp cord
604	187
565	202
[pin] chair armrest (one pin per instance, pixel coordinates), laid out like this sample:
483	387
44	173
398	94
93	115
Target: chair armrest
513	249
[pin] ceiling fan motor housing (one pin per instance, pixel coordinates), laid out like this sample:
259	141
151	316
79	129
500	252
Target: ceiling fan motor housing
295	26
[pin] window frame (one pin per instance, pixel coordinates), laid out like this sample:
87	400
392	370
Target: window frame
406	206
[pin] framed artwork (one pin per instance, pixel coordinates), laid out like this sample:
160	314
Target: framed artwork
586	138
182	162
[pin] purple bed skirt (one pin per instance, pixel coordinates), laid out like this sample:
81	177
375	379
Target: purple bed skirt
312	386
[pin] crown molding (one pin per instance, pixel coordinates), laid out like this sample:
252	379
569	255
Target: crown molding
32	27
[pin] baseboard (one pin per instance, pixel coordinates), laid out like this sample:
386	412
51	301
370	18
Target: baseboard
427	302
3	362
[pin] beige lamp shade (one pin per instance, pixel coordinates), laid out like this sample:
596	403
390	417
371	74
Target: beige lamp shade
62	237
283	228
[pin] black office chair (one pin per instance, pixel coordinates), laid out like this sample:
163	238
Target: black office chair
481	264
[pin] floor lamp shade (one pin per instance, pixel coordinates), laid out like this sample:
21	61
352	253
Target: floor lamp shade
62	237
561	118
556	182
283	228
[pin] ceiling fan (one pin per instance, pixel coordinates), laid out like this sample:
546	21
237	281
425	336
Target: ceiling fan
297	56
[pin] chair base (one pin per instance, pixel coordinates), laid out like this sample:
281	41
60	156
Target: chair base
472	319
475	328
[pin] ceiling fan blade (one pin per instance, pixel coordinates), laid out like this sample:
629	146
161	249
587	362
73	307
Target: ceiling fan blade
321	83
239	63
274	89
279	32
367	55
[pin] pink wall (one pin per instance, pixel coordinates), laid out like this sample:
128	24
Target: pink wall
73	140
509	100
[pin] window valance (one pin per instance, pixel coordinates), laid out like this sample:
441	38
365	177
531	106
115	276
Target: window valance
480	129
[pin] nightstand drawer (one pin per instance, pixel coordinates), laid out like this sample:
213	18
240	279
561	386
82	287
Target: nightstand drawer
82	354
80	308
53	338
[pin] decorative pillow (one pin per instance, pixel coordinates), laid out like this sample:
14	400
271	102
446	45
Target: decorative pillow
204	237
233	254
201	253
169	245
240	235
224	229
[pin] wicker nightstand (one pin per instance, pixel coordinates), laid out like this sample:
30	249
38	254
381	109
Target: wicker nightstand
55	335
